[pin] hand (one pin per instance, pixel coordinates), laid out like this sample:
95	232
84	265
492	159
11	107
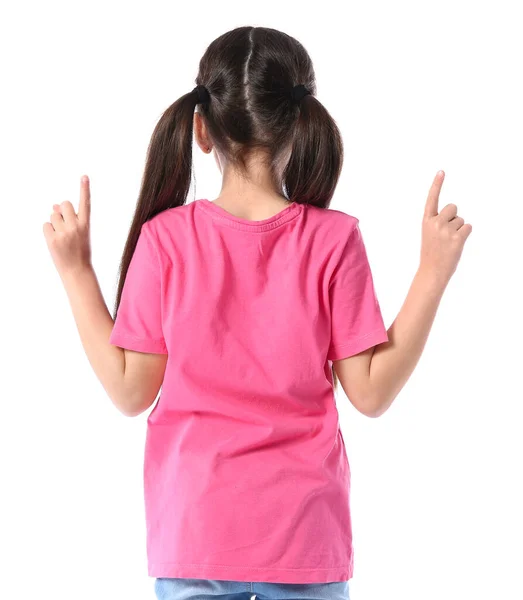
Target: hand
443	236
67	235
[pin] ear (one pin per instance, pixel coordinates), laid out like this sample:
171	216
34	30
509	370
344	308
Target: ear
200	133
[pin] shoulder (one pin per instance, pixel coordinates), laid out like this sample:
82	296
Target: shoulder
338	225
170	215
170	221
168	232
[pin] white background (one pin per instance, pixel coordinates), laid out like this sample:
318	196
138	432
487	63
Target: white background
415	87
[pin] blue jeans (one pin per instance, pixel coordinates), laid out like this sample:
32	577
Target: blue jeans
168	588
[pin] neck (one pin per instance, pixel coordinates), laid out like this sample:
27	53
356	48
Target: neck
255	195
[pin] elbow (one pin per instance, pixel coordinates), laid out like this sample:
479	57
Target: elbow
134	409
369	410
368	404
365	403
374	414
367	407
129	412
377	406
371	399
129	407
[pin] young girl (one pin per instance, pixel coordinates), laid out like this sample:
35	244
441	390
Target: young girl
246	310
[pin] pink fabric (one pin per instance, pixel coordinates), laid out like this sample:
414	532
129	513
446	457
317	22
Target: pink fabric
246	472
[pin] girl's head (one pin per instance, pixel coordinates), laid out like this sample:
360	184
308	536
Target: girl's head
249	74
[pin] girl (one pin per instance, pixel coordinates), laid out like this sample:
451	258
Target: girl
246	310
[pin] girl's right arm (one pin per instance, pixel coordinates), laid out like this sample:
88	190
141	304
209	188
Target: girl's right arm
372	379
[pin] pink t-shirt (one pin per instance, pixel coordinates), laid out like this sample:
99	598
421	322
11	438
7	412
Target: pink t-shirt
246	474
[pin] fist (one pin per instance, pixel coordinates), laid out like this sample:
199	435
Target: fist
67	233
444	234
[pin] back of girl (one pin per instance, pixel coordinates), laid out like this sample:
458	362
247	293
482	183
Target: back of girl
243	312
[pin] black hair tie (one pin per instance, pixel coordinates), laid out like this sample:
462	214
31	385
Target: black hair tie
203	94
298	92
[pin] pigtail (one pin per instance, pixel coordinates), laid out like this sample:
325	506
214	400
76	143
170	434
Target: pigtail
316	159
167	175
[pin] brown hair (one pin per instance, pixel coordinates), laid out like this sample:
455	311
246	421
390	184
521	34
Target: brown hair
249	73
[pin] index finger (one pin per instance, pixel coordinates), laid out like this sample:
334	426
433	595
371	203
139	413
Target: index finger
431	206
84	209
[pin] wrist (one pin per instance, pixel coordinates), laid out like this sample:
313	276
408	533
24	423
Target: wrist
433	281
73	275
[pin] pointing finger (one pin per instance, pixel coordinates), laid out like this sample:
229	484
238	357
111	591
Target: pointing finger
84	208
431	206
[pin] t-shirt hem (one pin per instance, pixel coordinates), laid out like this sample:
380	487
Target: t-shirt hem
260	574
359	345
137	344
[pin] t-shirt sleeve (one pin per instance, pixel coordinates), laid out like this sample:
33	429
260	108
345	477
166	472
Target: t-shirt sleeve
356	319
138	323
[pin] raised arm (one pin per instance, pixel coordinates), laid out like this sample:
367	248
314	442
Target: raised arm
131	379
372	379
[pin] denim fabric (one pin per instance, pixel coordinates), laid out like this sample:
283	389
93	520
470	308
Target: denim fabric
168	588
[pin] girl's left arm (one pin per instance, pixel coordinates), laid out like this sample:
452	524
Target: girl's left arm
131	379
